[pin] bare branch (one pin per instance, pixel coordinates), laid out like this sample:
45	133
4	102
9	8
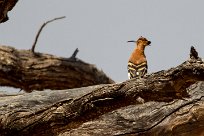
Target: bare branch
21	69
39	31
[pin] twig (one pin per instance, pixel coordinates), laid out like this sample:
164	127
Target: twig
39	31
74	54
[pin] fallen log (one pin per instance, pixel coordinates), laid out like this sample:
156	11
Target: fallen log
30	71
161	103
179	117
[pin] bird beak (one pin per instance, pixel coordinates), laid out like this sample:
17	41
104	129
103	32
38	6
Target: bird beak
149	43
132	41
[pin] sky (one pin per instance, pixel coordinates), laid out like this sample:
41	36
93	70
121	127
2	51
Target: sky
101	29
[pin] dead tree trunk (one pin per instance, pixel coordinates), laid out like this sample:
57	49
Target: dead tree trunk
158	104
36	71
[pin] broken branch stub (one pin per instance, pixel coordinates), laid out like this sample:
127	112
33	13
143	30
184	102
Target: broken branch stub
74	54
193	53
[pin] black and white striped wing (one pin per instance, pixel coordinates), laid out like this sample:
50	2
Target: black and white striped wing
136	71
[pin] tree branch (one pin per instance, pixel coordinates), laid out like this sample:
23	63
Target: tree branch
5	7
21	69
39	31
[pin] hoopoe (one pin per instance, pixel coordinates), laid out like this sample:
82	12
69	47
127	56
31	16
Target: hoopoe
137	64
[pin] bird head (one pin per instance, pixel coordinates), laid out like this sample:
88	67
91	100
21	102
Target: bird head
142	41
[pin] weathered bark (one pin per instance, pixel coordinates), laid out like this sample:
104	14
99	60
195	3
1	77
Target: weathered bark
156	104
36	71
178	117
5	7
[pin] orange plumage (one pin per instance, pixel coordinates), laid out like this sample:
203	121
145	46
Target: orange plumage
137	64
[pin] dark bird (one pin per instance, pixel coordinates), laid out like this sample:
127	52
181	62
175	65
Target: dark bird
137	64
